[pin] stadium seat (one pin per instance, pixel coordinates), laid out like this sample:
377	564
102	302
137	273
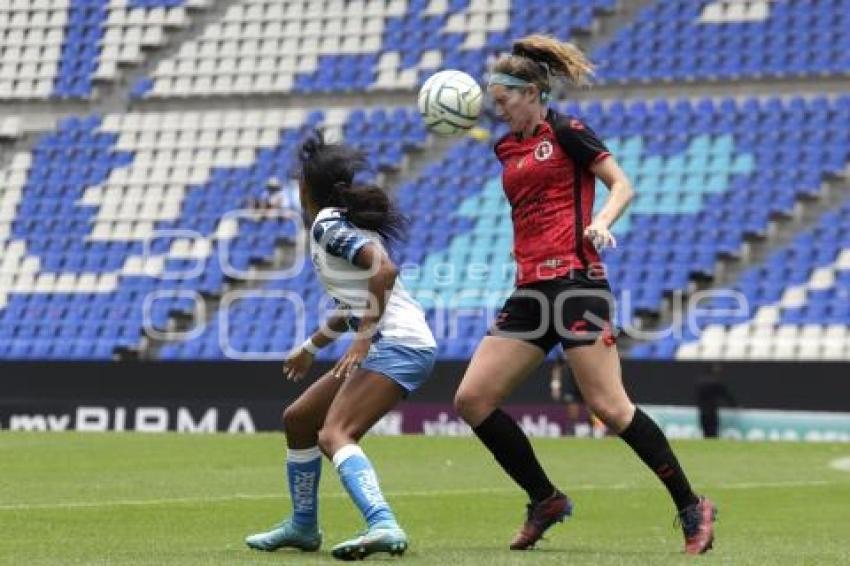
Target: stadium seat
62	48
689	40
365	45
107	210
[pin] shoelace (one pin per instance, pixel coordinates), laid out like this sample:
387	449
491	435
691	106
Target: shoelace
688	519
530	509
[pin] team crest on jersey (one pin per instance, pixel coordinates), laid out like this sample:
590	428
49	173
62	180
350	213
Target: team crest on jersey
543	151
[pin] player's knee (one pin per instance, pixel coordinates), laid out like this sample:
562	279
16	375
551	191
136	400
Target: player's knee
462	403
615	415
294	417
472	407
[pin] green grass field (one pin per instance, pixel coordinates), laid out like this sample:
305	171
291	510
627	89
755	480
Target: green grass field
167	499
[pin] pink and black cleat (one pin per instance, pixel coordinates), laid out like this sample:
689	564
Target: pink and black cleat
541	516
698	525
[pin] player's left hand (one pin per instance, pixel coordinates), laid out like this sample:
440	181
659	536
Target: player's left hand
297	364
351	360
600	236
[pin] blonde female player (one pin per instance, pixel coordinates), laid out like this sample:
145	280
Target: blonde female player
550	164
391	355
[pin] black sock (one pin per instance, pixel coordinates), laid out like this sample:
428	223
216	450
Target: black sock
511	448
650	444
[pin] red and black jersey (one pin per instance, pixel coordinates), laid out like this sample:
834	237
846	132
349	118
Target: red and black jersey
547	180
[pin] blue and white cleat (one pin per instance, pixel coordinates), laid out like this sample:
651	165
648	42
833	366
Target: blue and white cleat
387	538
286	534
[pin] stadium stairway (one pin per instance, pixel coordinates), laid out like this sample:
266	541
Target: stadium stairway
783	227
609	23
835	189
176	171
416	160
112	92
56	49
135	77
805	305
367	45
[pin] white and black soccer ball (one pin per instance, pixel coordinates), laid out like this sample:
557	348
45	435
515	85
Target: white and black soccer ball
450	102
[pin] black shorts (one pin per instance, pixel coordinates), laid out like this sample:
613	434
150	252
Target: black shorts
573	311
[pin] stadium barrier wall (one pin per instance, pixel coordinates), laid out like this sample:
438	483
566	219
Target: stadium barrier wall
782	401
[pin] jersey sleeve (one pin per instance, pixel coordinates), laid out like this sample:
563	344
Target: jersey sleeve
339	237
580	142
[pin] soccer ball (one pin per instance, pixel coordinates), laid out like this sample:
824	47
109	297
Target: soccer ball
450	102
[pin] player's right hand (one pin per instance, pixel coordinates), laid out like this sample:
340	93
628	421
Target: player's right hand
600	236
296	366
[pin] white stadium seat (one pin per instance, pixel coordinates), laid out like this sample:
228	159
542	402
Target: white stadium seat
302	31
33	33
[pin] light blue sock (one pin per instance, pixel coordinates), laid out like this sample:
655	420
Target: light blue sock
361	482
303	470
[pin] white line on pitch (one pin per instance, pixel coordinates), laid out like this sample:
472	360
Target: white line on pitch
223	498
336	495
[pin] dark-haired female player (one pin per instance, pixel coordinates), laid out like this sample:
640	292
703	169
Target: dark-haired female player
391	355
550	163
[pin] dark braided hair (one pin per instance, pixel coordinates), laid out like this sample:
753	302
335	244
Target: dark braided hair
328	171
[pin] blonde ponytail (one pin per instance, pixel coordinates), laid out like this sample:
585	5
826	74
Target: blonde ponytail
561	58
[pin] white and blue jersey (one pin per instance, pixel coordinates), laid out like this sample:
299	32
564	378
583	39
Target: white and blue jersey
404	345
